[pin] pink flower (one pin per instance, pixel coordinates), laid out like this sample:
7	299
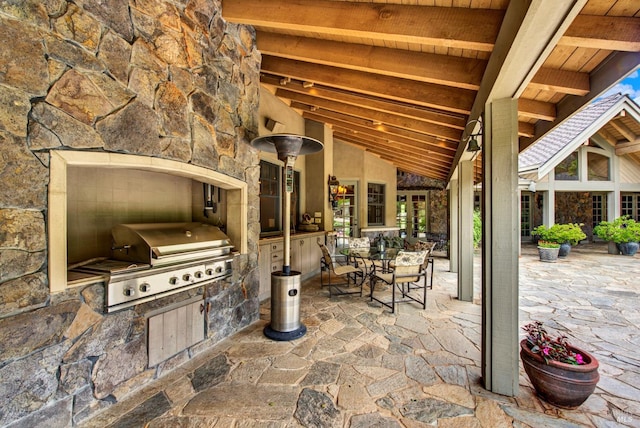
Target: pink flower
579	359
545	350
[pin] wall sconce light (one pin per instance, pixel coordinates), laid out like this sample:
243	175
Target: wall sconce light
472	139
307	84
334	187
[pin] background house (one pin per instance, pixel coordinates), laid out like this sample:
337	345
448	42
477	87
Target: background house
586	170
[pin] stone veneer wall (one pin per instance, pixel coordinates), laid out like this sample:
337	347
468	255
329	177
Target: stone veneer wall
168	79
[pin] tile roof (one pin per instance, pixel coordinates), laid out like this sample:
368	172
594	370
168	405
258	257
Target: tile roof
539	153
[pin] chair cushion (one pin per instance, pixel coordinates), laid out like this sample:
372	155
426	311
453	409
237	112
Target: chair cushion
410	258
359	243
343	270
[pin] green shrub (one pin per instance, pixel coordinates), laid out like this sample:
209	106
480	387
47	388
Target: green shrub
621	231
477	228
560	233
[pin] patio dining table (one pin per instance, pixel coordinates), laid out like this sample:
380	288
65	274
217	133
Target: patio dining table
373	254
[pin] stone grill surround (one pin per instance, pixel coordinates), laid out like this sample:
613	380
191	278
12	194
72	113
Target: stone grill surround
162	79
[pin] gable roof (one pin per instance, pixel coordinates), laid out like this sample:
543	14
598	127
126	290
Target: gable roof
550	150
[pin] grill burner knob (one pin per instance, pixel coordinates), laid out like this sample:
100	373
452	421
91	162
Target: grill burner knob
186	277
198	274
129	291
209	271
219	269
173	280
144	287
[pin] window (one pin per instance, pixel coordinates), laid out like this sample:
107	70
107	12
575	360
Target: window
630	205
418	216
598	167
271	198
599	208
375	204
568	169
525	215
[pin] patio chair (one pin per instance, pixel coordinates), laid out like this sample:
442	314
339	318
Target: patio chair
351	275
429	247
362	260
408	278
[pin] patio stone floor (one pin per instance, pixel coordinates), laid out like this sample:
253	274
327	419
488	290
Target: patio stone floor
360	366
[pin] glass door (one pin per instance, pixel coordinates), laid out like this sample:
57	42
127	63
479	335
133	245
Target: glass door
345	217
401	215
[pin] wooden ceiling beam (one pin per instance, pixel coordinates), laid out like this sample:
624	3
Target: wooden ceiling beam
376	117
539	110
628	147
453	100
611	33
392	131
408	153
563	81
445	70
449	27
525	129
417	165
420	165
439	148
451	120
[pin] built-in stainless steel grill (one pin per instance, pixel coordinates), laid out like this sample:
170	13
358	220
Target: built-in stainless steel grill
154	260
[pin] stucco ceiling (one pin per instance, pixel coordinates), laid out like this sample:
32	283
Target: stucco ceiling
406	79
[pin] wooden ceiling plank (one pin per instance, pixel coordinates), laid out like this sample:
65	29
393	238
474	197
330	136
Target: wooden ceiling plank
624	130
393	132
373	117
439	69
563	81
423	164
616	33
408	149
439	26
607	135
425	145
386	106
454	100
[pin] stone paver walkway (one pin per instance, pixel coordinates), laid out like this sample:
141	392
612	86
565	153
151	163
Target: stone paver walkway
360	366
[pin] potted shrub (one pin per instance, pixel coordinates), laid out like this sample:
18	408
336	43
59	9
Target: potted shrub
623	231
548	251
565	234
562	374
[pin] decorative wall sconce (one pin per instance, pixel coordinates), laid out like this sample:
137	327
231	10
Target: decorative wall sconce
334	188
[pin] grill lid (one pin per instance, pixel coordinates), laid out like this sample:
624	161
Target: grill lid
151	242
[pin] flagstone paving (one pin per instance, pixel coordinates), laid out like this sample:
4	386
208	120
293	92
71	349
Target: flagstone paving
360	366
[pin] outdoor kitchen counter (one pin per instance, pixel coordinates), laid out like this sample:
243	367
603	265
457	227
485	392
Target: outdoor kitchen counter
294	235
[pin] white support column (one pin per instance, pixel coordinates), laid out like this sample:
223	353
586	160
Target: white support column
453	227
465	227
549	203
500	248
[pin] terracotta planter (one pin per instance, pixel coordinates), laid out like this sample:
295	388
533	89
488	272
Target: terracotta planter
563	385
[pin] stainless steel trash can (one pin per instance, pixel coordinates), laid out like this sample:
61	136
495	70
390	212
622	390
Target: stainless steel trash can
285	307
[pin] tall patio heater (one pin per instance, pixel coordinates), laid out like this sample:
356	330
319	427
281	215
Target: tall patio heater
285	284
